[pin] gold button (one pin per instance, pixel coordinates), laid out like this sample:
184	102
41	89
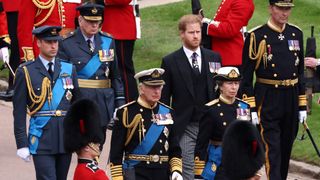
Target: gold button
142	119
276	85
221	114
160	151
141	110
295	54
268	45
273	65
58	113
97	77
294	74
265	36
148	162
79	62
224	123
218	105
160	141
293	34
275	75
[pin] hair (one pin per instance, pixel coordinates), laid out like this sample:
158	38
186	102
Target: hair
188	19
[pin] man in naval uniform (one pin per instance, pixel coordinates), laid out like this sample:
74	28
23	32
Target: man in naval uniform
93	54
44	89
143	135
274	52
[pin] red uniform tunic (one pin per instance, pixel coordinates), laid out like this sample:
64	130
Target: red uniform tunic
35	13
227	38
11	5
119	19
4	36
88	170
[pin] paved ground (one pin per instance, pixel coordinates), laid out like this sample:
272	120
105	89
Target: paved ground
14	168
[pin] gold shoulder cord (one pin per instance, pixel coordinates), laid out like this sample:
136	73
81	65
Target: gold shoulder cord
44	5
132	126
262	51
45	89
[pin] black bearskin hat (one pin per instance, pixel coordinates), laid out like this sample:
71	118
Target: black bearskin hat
82	125
242	151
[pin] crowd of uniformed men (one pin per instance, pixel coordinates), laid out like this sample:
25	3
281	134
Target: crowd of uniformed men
75	82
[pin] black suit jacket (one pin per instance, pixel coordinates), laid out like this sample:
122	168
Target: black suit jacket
179	84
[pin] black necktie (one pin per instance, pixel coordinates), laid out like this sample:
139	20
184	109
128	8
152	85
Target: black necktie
50	69
90	45
195	65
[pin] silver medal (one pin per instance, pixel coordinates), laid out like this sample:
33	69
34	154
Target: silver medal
166	146
68	95
166	132
296	63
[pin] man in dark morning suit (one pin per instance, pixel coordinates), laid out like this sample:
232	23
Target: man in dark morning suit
44	89
93	54
189	82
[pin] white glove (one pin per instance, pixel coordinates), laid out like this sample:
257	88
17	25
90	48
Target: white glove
302	116
176	176
206	20
254	118
4	54
24	154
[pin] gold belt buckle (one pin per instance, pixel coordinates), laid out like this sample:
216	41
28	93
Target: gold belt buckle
287	82
154	158
58	113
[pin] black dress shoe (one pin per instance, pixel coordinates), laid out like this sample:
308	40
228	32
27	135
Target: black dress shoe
6	96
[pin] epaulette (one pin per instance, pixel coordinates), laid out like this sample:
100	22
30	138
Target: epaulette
105	34
255	28
125	105
26	63
293	25
213	102
165	105
70	34
93	167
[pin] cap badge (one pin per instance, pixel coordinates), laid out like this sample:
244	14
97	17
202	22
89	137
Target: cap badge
233	74
94	10
155	74
54	32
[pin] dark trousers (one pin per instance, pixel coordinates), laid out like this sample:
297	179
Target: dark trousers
124	50
12	19
279	126
152	173
52	167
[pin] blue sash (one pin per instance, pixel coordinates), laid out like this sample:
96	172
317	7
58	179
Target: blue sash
150	139
37	123
244	105
94	63
214	161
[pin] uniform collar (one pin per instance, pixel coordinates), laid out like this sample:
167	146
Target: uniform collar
274	27
83	160
226	100
145	104
86	38
46	62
